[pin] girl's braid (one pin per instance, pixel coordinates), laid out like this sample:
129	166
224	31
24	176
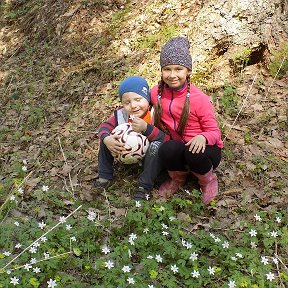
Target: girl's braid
158	109
186	110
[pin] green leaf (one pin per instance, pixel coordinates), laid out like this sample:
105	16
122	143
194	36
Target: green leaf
34	282
77	251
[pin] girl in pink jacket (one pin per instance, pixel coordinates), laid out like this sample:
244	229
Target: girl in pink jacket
186	113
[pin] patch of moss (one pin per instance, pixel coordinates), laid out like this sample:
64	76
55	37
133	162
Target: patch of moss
162	36
279	62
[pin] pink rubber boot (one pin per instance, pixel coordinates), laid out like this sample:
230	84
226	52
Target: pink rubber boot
208	185
170	186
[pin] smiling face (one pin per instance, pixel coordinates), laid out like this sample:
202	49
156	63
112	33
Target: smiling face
134	104
175	75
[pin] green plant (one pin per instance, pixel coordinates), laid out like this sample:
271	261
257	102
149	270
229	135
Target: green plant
229	100
4	132
203	75
240	60
163	35
262	166
11	13
279	61
35	117
117	19
247	137
151	248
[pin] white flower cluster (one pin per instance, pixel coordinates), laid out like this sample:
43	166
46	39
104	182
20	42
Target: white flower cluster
33	248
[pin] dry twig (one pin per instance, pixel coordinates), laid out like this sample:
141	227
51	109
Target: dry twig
69	174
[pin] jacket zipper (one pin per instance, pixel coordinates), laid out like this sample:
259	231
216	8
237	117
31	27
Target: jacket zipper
175	128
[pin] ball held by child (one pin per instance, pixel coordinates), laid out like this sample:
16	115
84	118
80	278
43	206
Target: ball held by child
135	144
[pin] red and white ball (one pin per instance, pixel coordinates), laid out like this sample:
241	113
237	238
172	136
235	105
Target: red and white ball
135	144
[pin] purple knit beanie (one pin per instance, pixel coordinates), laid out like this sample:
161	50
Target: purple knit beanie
176	52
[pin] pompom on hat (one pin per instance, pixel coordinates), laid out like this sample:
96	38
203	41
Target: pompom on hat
134	84
176	52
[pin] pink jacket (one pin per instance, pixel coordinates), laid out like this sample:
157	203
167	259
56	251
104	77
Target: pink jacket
201	120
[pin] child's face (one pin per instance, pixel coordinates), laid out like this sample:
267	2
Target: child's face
175	75
134	104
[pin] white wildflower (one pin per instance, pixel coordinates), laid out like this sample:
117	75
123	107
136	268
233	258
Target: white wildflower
51	283
258	218
20	190
46	255
91	215
68	227
211	270
231	284
278	220
14	280
193	256
133	236
126	269
43	238
36	270
27	266
225	245
109	264
33	250
264	260
18	245
131	280
195	274
105	250
62	219
253	244
158	258
174	268
253	233
41	225
45	188
270	276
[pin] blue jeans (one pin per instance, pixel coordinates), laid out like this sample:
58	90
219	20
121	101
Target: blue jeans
151	165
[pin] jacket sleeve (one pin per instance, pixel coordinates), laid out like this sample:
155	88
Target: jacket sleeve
208	122
155	134
106	127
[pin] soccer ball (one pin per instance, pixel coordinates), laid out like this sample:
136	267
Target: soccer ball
135	146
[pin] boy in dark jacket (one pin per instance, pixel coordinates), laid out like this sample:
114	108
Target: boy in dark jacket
135	97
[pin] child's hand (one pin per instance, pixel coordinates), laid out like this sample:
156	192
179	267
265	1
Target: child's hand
139	125
197	144
113	144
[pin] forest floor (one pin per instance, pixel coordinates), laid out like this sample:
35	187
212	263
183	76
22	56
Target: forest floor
58	82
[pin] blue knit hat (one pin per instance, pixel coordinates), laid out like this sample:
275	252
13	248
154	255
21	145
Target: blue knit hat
176	52
134	84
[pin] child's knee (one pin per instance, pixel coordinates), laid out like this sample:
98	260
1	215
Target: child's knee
153	148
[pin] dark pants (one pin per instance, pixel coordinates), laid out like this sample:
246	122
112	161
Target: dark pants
151	165
175	156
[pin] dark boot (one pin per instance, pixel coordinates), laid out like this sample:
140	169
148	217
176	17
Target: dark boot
141	194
